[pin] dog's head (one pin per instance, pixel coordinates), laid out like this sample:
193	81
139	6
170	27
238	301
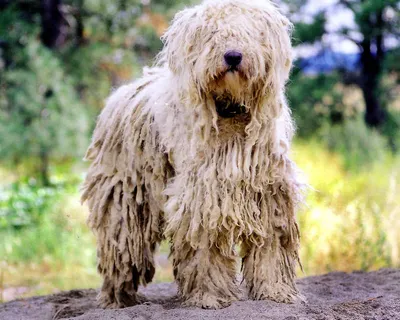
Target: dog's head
237	52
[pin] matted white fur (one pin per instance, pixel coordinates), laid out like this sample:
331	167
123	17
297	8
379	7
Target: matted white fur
165	164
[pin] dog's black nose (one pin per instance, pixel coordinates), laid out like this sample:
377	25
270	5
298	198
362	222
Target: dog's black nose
233	58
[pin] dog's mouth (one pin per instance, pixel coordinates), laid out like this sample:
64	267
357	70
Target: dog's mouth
227	108
233	69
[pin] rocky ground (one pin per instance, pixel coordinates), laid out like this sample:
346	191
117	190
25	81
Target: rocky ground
369	296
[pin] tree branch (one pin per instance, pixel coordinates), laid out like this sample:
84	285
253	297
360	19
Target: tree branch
357	42
347	4
379	38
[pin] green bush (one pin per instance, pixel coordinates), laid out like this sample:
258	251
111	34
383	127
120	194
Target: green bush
23	204
358	145
391	129
40	110
39	224
148	42
315	102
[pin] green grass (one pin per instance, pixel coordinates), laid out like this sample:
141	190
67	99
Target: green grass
57	254
351	222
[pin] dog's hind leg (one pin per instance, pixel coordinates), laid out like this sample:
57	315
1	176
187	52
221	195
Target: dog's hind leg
123	191
127	236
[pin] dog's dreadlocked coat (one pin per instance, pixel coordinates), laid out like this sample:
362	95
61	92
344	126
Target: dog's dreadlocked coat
197	152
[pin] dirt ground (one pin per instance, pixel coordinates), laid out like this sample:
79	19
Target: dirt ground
366	296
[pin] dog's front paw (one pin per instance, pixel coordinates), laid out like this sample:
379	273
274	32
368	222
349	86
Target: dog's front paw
119	301
283	294
207	301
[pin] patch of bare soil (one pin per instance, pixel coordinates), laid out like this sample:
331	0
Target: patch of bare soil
364	296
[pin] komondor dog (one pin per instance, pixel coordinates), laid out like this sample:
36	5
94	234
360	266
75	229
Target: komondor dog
197	152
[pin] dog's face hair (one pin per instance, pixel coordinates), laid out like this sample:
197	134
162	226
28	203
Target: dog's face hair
235	52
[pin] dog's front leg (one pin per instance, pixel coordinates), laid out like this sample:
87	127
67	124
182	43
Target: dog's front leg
269	265
206	278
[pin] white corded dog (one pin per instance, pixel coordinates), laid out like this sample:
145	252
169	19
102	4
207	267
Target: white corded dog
197	151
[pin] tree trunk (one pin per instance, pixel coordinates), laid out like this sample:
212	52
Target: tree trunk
372	61
4	4
51	35
80	28
44	167
375	115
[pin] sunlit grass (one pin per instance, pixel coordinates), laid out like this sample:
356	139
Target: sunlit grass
351	222
351	219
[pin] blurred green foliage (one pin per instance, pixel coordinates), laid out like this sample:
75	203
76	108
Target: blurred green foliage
315	102
40	109
310	32
23	204
50	95
359	145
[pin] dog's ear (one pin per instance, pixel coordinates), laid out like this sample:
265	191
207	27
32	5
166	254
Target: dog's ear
288	27
179	39
278	30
